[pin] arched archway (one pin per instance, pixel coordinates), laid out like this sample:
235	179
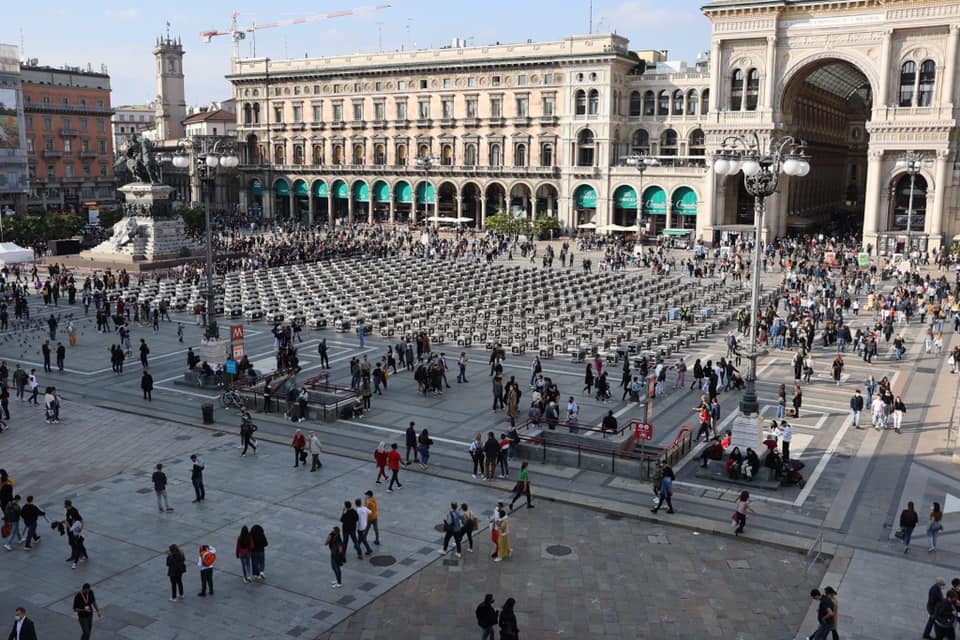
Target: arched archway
320	192
827	104
907	212
547	196
380	199
470	195
301	201
402	201
341	195
521	201
282	196
447	200
496	199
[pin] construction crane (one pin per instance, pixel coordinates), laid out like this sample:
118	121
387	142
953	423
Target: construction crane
239	33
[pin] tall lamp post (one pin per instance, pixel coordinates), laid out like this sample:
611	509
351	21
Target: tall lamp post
912	162
761	166
641	163
424	163
212	161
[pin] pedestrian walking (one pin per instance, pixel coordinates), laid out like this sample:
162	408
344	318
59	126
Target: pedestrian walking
363	524
666	490
424	442
487	617
781	401
393	461
491	451
740	512
476	454
411	440
371	504
522	488
315	463
196	477
299	444
206	559
945	617
348	525
160	488
30	514
144	352
934	597
34	386
503	536
146	385
908	522
176	567
452	528
508	621
825	614
322	350
462	367
380	458
11	523
23	628
470	524
244	548
934	526
338	555
84	604
856	408
247	429
61	356
258	552
786	437
899	409
797	400
75	538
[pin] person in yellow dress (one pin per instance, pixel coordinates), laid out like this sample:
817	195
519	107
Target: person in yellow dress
503	538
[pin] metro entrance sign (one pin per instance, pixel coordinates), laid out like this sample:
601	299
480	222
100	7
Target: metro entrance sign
643	431
236	333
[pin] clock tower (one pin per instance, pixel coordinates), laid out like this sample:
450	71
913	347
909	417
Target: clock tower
171	101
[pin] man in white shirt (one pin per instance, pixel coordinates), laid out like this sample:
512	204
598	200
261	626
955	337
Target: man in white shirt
786	435
363	523
879	408
573	416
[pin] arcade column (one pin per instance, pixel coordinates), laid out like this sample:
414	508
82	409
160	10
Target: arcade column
872	212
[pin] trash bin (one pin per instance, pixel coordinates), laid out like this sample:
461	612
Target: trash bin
207	409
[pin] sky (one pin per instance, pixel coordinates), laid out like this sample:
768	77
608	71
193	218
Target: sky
121	35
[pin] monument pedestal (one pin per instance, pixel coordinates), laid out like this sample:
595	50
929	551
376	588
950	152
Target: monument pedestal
148	231
745	432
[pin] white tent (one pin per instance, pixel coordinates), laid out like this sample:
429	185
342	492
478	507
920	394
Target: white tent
587	225
11	253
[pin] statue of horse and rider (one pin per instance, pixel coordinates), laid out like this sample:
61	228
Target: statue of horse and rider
139	158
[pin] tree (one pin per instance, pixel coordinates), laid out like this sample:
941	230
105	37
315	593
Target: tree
194	220
507	224
546	226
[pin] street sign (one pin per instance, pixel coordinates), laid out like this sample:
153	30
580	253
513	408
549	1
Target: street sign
643	431
231	367
236	332
237	351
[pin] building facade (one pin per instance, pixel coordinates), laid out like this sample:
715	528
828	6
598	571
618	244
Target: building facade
544	128
862	83
69	141
14	177
130	119
530	129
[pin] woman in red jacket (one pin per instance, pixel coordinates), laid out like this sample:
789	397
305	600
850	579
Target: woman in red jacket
380	456
299	444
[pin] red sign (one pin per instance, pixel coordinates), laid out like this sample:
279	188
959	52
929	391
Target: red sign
236	332
237	351
643	431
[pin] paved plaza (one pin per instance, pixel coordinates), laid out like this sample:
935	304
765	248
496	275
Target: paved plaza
680	575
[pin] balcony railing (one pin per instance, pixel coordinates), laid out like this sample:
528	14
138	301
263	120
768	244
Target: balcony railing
64	133
436	170
52	153
88	154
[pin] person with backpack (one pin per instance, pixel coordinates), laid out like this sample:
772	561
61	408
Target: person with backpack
176	567
244	548
452	528
487	617
11	523
206	559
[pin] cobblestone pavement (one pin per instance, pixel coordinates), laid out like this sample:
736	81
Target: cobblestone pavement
575	572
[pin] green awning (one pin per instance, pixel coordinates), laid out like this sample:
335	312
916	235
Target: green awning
340	190
585	197
685	202
361	192
404	193
625	198
654	202
282	188
320	189
381	192
676	232
425	193
300	189
256	187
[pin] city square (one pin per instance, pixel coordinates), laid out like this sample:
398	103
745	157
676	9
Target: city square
699	319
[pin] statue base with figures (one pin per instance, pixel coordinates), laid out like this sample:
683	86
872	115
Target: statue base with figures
149	231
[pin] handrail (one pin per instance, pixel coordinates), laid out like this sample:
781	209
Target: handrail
527	424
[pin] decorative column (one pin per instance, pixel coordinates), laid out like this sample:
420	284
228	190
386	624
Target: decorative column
370	201
291	206
770	75
483	211
349	208
330	219
871	213
937	213
392	213
950	67
716	72
459	206
310	208
882	99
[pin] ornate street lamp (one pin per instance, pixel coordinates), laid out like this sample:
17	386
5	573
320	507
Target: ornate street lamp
212	160
761	167
912	162
641	162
